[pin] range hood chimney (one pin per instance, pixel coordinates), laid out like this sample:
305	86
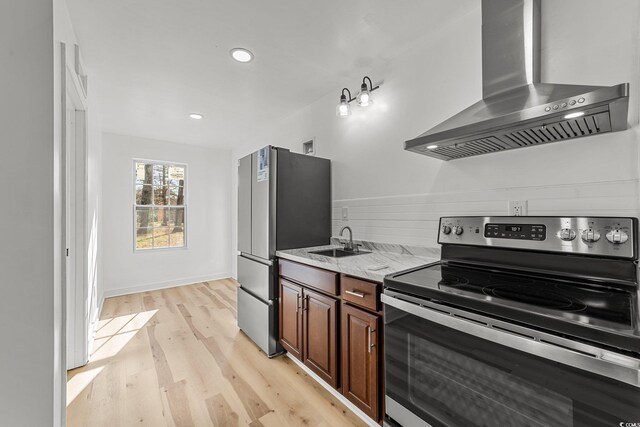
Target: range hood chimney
517	110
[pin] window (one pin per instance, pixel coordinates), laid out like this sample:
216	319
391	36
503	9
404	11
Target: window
159	205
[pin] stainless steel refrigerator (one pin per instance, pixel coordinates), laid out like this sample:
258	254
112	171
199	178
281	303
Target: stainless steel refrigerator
284	202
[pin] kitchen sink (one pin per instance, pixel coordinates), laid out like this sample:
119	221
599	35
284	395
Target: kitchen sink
338	253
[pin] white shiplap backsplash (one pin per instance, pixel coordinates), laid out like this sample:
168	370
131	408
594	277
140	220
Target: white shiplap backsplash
413	219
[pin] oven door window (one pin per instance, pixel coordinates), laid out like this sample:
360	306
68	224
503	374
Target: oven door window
449	378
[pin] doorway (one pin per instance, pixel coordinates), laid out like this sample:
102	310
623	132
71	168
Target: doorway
75	277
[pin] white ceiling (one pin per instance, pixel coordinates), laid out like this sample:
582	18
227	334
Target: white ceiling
152	62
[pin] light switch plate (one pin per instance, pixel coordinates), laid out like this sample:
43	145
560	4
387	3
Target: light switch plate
345	213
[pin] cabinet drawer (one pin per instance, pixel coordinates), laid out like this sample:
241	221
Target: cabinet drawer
323	280
360	292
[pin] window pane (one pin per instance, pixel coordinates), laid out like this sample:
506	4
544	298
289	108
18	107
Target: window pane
176	173
176	239
144	195
161	237
144	217
176	224
161	217
176	217
144	238
144	173
160	195
160	174
180	217
172	217
176	196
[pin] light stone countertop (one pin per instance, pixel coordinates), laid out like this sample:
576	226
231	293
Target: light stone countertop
394	257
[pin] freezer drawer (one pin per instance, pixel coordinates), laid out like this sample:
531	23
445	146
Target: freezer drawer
256	277
257	319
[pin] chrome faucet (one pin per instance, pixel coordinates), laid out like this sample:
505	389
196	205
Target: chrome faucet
349	246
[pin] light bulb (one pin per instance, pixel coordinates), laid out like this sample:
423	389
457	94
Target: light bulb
343	110
574	115
364	97
241	54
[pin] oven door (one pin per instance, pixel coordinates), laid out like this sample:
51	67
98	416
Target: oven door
449	367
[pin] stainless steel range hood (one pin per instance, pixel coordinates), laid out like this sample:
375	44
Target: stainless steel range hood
517	110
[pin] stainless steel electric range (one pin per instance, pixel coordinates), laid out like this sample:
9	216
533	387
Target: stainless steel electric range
525	321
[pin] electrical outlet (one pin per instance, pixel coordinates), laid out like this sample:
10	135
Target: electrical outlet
345	213
518	207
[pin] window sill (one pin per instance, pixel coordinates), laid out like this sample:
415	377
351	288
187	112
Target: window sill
156	250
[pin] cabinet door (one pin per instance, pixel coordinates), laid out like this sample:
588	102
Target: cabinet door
360	380
320	315
291	317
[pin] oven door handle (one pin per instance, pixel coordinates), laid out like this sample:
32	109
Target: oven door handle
603	362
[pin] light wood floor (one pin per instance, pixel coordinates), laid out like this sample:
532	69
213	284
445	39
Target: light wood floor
175	357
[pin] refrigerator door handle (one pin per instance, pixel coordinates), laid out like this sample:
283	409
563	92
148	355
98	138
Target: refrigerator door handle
256	259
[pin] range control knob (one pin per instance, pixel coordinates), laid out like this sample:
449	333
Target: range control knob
567	234
458	230
617	236
590	235
446	229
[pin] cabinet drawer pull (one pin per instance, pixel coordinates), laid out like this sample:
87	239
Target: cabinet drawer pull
355	294
298	303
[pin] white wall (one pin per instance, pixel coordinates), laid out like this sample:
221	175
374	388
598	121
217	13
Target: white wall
64	33
27	258
440	76
95	294
208	221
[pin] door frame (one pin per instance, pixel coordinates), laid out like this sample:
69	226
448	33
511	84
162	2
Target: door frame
75	308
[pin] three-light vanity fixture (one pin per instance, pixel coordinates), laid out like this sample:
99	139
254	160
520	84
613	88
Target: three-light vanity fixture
363	98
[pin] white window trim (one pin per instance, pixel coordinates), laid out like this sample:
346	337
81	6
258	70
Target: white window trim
135	205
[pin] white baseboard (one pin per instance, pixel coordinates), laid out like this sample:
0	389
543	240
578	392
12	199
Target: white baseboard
353	408
162	285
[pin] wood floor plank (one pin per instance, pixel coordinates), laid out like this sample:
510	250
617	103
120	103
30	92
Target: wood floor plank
253	404
165	377
142	400
214	299
221	413
179	404
189	319
274	419
176	357
227	300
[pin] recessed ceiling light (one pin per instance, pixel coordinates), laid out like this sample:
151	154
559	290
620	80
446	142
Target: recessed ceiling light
196	116
432	147
574	115
241	55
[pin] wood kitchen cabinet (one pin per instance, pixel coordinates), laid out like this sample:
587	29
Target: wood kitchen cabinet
291	317
360	367
333	324
320	324
309	318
